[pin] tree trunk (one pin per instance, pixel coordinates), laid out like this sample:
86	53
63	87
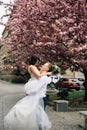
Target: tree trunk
85	84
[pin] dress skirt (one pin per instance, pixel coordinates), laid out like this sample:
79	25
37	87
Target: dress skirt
27	114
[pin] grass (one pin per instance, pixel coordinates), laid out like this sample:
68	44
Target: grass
75	98
71	95
76	94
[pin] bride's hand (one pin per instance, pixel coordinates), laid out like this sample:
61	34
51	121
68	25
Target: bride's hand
49	73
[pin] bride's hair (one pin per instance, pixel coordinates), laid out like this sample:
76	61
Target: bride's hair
33	59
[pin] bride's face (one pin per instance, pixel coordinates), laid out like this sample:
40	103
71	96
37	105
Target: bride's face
45	67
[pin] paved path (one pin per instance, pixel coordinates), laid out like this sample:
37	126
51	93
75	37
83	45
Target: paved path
10	88
11	93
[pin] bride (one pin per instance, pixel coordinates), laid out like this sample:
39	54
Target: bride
28	113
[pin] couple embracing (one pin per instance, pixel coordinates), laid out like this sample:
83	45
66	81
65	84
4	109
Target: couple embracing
28	113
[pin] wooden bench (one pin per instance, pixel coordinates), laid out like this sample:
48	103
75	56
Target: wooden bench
60	105
84	119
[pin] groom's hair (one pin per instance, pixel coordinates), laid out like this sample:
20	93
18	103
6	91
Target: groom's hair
50	67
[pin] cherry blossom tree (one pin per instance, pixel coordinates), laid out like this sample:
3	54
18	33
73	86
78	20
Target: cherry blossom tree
54	29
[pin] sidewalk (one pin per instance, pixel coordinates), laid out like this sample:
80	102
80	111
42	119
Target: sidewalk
64	120
59	120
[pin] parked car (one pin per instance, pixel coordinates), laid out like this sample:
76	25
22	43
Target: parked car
81	81
54	78
67	83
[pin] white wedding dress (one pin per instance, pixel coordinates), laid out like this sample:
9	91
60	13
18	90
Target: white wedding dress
28	114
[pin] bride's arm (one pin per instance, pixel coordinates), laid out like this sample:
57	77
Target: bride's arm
37	73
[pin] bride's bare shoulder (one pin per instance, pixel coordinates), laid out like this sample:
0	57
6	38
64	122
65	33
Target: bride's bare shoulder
31	67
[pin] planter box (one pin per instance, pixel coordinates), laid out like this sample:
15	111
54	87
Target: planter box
83	115
60	105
